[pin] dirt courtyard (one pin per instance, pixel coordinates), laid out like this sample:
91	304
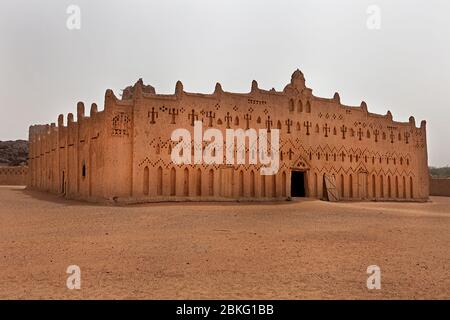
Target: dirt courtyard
303	249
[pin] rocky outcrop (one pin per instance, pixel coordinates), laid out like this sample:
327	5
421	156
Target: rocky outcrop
14	153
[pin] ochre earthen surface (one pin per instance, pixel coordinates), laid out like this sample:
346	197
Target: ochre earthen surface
295	249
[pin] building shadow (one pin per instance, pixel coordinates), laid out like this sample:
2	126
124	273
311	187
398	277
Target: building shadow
59	199
50	197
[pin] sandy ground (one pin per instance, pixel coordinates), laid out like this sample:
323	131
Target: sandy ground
303	249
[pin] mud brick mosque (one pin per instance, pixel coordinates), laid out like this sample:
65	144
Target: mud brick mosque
123	153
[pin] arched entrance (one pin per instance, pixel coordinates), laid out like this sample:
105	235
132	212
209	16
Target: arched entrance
298	184
299	181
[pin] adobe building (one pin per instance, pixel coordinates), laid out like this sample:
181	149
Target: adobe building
123	153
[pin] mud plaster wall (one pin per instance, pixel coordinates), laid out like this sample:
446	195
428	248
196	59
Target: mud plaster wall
13	176
440	187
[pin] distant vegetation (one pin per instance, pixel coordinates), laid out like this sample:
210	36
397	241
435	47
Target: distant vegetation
13	153
440	172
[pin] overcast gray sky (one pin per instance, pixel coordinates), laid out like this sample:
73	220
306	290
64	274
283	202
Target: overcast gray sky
404	66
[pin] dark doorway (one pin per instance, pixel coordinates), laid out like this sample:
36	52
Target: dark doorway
63	184
297	184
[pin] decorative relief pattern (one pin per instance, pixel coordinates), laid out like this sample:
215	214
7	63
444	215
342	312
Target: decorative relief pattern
121	125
